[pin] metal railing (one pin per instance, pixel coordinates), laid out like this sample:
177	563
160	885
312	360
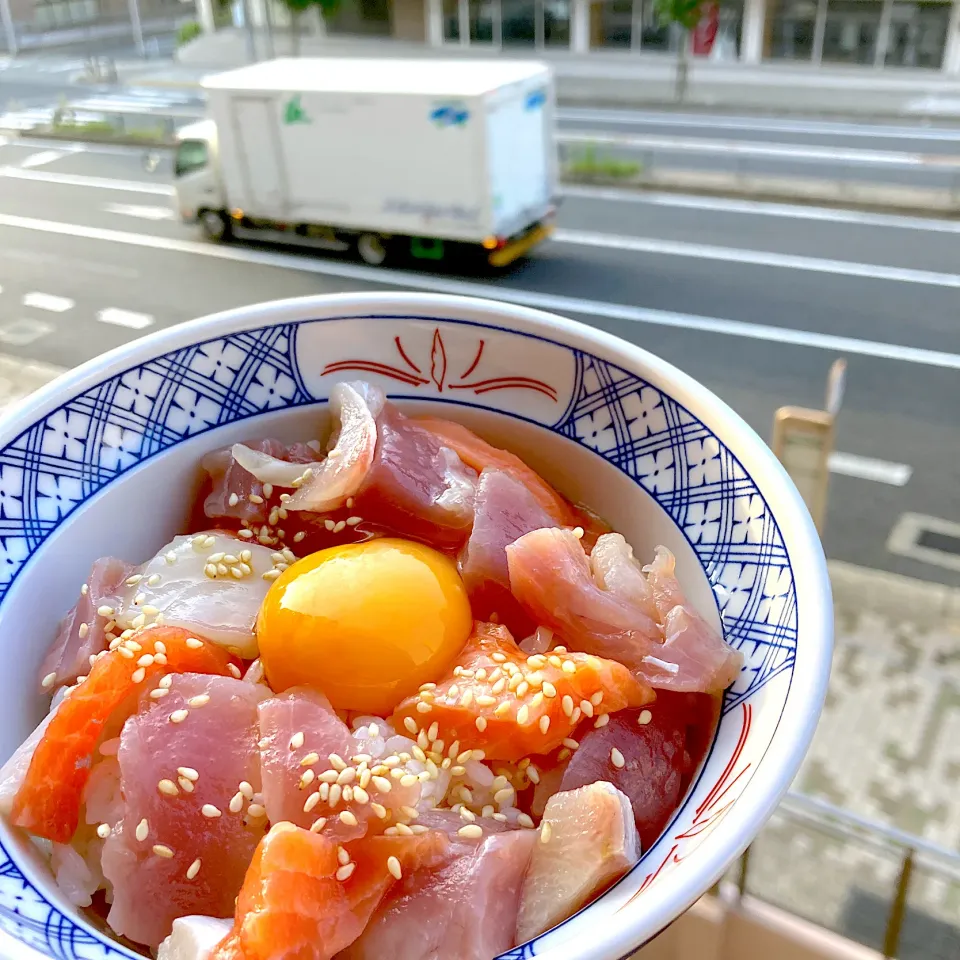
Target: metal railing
891	891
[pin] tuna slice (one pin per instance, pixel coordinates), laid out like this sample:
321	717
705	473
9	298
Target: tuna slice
305	749
587	842
189	765
610	609
82	632
466	910
193	938
221	607
660	756
504	511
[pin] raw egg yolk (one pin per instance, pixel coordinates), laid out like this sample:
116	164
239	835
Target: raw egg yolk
366	623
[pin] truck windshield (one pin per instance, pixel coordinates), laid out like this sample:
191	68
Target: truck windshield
191	155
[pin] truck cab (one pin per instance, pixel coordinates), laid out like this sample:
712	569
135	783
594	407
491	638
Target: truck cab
200	196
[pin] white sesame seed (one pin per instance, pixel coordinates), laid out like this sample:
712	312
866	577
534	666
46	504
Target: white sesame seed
523	715
569	667
545	831
346	817
201	700
602	721
49	680
193	869
170	557
587	707
125	653
616	758
544	724
234	670
336	761
84	630
143	830
256	810
571	743
346	871
84	590
645	717
393	865
423	707
472	831
318	824
178	716
168	788
189	773
105	611
481	724
246	534
297	537
210	811
103	831
408	780
158	693
193	643
246	789
524	820
185	785
236	803
504	796
549	690
329	524
161	850
138	675
333	797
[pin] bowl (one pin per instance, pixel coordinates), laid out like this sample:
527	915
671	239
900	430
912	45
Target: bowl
90	465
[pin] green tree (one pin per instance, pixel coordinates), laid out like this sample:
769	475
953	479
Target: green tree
686	15
325	8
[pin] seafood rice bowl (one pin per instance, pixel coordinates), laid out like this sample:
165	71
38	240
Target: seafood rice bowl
390	625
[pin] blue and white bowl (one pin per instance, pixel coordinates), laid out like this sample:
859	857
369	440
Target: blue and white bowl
104	461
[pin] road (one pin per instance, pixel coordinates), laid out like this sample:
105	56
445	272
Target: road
755	300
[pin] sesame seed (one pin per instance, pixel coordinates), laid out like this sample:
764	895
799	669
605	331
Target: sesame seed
346	817
168	788
346	871
467	814
138	675
525	821
597	698
545	831
193	869
347	775
481	724
645	717
569	667
193	643
578	532
185	785
234	670
499	686
602	721
158	693
143	830
103	831
571	743
537	700
199	701
236	802
333	797
189	773
587	707
298	536
329	524
499	657
125	653
329	776
484	701
84	590
305	781
472	831
105	611
481	674
210	811
340	526
616	758
336	761
178	716
408	780
504	796
49	680
161	850
256	810
170	557
360	795
544	724
246	789
523	714
382	784
522	689
84	630
467	698
246	534
311	801
393	865
318	824
310	759
153	579
410	724
549	690
423	707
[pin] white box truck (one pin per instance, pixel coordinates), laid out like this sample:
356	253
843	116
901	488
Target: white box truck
388	156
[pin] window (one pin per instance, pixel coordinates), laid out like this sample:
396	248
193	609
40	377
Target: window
451	21
192	155
918	34
850	31
792	30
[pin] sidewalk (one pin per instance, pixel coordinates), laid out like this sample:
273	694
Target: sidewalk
616	78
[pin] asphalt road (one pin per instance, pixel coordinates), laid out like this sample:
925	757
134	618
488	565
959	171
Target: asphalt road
754	300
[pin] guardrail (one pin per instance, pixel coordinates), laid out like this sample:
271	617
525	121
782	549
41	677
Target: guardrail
896	893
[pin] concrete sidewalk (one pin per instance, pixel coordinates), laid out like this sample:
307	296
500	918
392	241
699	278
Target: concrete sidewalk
618	78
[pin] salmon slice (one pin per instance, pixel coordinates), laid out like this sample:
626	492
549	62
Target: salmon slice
48	802
587	842
507	704
305	896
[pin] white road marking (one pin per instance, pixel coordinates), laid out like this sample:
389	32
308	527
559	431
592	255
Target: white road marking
867	468
47	301
529	298
761	125
143	213
18	333
125	318
758	258
685	201
904	539
78	180
42	158
757	148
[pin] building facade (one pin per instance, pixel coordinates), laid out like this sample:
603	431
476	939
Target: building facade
920	34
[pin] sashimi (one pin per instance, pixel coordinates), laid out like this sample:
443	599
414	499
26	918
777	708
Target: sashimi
193	938
587	841
82	632
466	910
190	773
505	510
303	898
48	802
209	582
509	704
650	755
606	609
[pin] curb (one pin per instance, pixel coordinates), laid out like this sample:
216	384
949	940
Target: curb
117	140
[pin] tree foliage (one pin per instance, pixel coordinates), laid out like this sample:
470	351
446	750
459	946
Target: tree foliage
684	13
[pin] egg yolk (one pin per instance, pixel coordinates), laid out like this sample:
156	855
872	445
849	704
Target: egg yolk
366	623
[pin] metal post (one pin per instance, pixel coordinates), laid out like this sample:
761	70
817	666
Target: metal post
8	28
137	26
898	909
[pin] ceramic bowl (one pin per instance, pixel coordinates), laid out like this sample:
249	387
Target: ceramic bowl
104	460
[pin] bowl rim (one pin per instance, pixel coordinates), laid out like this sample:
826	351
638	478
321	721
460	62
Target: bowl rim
807	688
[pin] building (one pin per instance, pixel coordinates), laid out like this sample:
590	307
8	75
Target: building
921	34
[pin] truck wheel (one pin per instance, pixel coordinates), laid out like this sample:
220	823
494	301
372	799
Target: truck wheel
372	249
215	226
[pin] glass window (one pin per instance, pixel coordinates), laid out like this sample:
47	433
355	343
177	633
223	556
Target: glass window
653	34
191	156
791	30
556	23
451	20
611	23
918	34
519	22
850	31
481	21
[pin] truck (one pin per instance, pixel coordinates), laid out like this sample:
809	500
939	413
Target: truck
388	158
